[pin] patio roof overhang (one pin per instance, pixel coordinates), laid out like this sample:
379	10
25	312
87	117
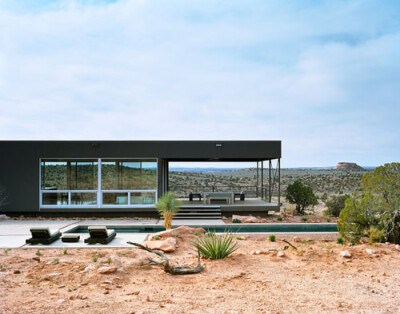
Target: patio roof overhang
221	150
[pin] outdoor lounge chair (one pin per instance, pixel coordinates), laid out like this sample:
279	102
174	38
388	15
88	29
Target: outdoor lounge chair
100	234
42	235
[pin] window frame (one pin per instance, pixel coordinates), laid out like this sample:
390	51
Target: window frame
99	191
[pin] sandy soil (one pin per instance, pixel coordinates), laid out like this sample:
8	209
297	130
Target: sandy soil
313	279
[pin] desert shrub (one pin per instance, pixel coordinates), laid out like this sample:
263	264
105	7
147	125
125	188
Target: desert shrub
236	221
339	240
65	251
324	197
272	238
304	219
279	218
213	246
335	205
301	195
168	205
375	235
376	210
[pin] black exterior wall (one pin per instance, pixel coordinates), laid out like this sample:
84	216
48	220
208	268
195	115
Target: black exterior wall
20	162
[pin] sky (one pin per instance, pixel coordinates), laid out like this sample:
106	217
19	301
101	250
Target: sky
322	76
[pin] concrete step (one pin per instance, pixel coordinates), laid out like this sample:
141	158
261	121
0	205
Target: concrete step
199	212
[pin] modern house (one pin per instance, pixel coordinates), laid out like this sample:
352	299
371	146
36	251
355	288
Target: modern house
122	176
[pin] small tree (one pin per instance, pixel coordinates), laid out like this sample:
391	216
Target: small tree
301	195
168	206
376	210
336	204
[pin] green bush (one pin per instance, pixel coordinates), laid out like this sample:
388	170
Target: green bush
213	246
279	218
236	221
336	204
304	219
339	240
272	238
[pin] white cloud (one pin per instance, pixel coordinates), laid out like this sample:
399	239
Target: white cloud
321	77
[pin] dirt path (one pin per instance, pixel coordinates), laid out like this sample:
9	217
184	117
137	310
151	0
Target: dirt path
313	279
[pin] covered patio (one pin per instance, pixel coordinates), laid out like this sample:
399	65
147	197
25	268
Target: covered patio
261	195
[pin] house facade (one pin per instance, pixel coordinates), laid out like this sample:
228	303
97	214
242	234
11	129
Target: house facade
106	176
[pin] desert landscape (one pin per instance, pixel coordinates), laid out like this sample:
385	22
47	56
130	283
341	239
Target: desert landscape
262	276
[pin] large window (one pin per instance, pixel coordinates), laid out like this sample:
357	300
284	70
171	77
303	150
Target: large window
98	183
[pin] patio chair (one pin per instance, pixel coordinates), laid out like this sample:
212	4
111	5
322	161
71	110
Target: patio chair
43	235
100	234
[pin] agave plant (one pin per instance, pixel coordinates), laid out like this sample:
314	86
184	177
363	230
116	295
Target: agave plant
168	206
213	246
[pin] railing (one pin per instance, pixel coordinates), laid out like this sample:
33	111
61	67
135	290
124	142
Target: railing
251	191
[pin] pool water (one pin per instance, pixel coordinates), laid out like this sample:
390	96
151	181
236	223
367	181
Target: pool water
236	228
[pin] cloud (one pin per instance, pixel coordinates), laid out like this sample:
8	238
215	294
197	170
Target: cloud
323	77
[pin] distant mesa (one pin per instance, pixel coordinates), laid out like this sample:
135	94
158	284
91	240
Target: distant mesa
348	166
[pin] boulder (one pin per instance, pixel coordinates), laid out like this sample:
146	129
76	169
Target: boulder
167	245
249	219
345	254
296	239
397	247
281	254
182	230
107	270
370	251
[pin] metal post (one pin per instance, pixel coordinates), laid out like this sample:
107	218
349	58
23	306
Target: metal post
257	181
279	184
270	181
262	179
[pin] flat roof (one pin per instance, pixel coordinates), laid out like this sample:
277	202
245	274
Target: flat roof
187	150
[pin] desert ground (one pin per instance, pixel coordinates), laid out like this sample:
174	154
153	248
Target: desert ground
260	277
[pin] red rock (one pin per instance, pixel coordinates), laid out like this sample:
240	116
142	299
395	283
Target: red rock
248	219
167	245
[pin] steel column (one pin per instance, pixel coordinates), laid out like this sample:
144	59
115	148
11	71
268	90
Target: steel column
262	179
270	181
257	182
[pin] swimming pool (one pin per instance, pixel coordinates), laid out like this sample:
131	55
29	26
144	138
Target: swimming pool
236	228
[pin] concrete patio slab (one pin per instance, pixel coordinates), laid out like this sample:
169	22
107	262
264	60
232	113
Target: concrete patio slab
21	227
194	222
15	241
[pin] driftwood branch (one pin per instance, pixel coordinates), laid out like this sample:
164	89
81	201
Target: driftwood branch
181	270
290	244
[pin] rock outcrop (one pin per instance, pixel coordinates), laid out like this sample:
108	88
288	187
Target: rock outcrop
167	245
348	166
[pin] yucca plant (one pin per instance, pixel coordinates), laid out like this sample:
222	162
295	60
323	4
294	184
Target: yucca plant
168	206
213	246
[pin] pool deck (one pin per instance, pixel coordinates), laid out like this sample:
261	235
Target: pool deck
13	233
